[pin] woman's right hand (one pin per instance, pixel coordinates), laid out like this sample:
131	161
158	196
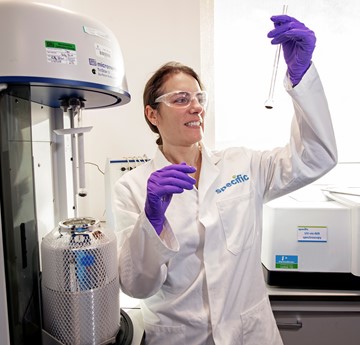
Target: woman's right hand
161	186
298	43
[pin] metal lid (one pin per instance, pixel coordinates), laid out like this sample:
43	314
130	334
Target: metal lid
80	224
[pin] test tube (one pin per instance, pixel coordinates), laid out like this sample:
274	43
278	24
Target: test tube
269	104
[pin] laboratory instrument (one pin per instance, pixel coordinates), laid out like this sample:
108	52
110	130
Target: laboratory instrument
50	74
311	239
114	169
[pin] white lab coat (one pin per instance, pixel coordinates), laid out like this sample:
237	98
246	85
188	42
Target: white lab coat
201	281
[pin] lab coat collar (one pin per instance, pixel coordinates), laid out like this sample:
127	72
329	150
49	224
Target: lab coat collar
211	159
209	169
208	154
159	160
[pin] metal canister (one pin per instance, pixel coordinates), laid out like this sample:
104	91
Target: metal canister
80	283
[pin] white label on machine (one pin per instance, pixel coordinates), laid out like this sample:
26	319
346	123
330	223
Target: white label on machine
312	233
102	51
61	52
96	32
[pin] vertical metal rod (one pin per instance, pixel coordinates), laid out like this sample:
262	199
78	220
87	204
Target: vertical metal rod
72	114
269	104
81	163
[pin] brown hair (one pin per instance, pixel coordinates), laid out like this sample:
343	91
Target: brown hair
153	87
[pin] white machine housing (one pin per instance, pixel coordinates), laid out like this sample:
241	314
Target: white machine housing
62	54
311	238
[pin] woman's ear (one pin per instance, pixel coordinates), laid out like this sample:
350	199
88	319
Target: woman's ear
151	114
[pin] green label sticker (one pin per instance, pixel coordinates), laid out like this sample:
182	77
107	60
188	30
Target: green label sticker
287	262
60	45
61	53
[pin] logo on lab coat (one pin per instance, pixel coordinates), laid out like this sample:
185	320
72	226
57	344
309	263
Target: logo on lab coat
236	179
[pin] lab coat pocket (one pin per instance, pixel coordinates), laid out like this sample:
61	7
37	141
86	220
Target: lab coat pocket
259	326
161	335
237	219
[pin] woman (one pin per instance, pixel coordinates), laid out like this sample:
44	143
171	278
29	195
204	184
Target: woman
190	237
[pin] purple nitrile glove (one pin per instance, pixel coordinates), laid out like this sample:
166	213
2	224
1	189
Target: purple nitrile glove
298	43
161	185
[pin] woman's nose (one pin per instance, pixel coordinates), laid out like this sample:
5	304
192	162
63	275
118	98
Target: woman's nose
195	104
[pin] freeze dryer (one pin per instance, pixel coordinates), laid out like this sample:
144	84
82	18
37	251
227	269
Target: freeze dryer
54	64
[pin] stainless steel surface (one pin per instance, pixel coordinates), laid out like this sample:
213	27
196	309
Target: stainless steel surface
80	283
18	218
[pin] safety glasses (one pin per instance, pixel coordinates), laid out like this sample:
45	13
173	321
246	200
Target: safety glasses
182	99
